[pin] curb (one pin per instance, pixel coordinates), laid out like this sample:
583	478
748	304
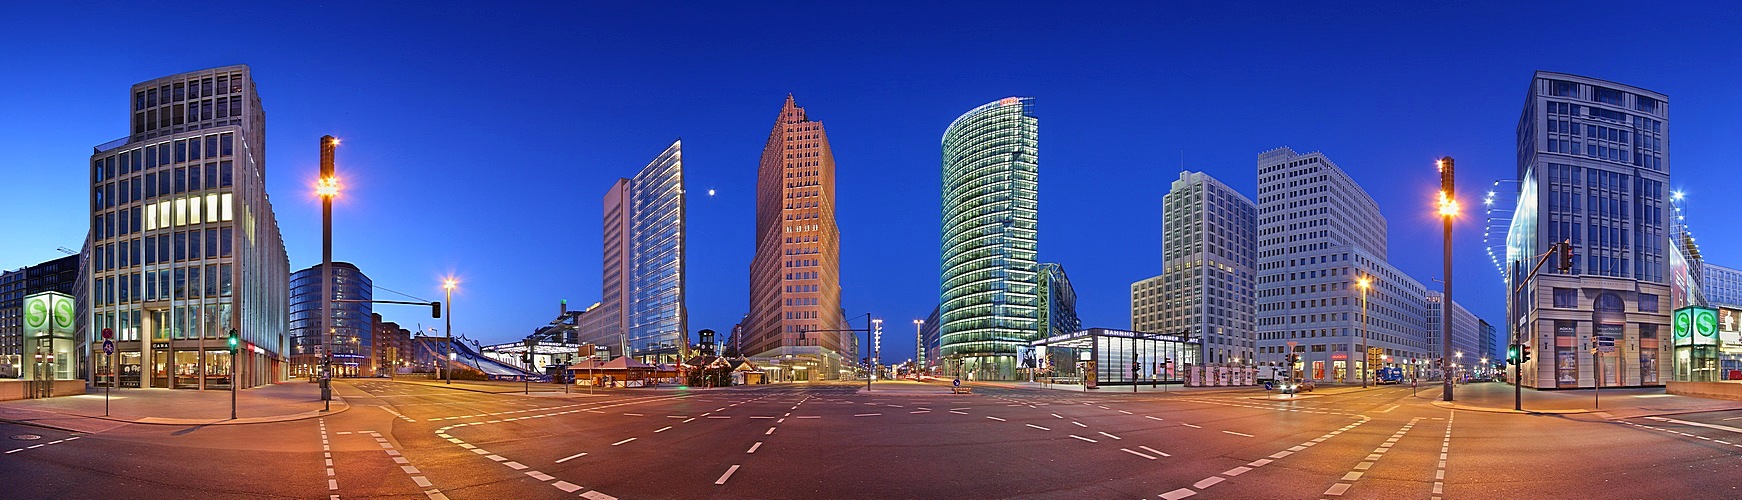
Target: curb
1486	409
344	406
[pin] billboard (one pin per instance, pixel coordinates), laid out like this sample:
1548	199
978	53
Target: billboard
48	314
1695	326
1730	327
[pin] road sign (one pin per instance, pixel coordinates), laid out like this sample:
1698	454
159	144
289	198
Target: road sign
108	334
108	345
956	382
1603	344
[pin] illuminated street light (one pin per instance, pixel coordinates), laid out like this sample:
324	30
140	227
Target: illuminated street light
1364	283
448	286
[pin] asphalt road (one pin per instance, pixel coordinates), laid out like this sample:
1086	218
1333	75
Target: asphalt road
402	440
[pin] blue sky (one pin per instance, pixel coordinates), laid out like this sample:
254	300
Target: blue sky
480	138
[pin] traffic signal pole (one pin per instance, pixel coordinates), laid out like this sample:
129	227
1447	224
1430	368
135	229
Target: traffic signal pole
1563	250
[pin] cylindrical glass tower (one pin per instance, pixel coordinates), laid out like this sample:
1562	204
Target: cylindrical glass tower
988	301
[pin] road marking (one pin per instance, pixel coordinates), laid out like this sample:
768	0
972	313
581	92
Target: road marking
687	420
770	431
1192	426
1237	433
727	475
998	419
566	486
1151	418
1110	435
1128	450
1207	482
1084	438
958	412
1388	410
1697	424
623	441
1055	415
1178	494
1079	424
867	414
662	429
1155	451
1038	427
754	447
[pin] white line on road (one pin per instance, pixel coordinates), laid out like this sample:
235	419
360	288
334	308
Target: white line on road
867	414
1151	418
1055	415
662	429
770	431
1155	451
1178	494
1698	424
1241	434
754	447
572	457
727	475
1128	450
1110	435
1038	427
1192	426
623	441
1084	438
998	419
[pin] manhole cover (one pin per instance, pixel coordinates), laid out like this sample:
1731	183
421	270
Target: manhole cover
27	437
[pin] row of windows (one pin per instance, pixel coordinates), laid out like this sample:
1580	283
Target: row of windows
164	284
182	246
163	155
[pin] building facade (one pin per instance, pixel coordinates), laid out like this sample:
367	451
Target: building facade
988	302
1146	304
352	327
1467	350
1593	165
58	275
1209	258
391	345
1319	234
641	311
1058	302
184	244
1722	285
795	270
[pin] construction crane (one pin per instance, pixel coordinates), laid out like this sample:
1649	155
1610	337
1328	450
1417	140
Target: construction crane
65	251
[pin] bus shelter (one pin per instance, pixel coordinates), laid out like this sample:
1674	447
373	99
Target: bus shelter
1101	356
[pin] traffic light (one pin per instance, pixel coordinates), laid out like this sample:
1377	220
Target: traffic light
235	340
435	309
1512	354
1524	356
1565	252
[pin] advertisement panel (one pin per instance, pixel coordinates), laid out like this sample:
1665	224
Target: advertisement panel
1729	328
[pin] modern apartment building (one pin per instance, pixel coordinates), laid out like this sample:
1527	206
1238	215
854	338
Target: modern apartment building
1319	235
352	329
1146	305
795	270
643	276
1209	258
988	302
184	244
1593	169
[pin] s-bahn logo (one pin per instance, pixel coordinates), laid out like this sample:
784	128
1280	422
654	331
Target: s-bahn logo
1683	324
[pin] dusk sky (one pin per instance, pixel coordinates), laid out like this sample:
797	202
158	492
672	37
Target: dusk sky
479	138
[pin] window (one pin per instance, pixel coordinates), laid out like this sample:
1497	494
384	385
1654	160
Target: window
1647	302
1566	298
1564	89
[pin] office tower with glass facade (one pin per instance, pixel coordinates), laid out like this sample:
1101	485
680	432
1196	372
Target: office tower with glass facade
1319	234
795	271
1209	251
1146	304
351	346
184	244
642	311
1466	331
988	302
1593	169
1058	302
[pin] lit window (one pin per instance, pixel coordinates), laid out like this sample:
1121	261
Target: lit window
181	211
212	207
194	209
150	219
226	207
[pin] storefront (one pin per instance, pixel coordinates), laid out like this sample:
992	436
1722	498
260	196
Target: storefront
1100	356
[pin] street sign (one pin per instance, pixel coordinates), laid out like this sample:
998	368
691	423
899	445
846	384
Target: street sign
108	333
1603	344
108	345
956	382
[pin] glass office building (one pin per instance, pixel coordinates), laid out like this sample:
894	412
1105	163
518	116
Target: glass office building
1058	302
658	320
184	244
352	323
988	301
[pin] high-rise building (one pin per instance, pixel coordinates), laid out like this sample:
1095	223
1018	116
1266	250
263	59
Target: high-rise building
58	275
1722	285
643	278
392	345
352	327
184	244
1209	254
795	272
1466	332
1593	164
988	303
931	335
1146	304
1319	235
1058	302
1490	344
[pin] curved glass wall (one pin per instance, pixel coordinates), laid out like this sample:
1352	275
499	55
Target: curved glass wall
988	292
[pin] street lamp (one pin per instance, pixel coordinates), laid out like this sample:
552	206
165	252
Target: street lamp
919	341
1364	283
876	346
1448	210
448	340
327	188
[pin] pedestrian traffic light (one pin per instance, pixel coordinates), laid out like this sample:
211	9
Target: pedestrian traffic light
435	309
235	340
1512	354
1524	356
1565	252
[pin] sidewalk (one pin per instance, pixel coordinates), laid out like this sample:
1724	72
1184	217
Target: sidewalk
84	413
1497	397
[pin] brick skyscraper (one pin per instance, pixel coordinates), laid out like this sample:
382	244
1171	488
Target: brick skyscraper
795	285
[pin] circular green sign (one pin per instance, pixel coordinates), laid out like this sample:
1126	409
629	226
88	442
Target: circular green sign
35	314
1682	323
1706	323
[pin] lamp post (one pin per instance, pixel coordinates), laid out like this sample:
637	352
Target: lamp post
1448	211
1364	283
448	337
919	345
327	189
876	346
